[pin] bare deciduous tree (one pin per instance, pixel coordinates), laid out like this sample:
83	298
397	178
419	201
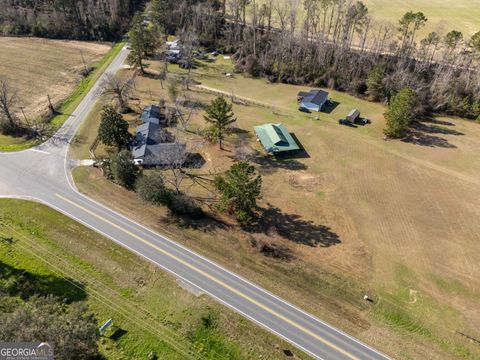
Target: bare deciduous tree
8	104
119	88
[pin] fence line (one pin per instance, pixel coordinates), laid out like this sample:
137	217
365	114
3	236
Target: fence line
236	99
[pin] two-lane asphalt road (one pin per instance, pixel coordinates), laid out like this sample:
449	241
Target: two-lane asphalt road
44	174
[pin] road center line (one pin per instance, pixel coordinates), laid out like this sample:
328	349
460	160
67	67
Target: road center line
212	278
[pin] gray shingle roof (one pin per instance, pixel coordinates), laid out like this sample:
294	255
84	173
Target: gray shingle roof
165	154
151	114
148	147
315	96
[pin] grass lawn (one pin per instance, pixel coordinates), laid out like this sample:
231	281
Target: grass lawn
10	143
150	311
359	214
61	80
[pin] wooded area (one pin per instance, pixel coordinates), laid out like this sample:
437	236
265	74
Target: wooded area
67	19
337	44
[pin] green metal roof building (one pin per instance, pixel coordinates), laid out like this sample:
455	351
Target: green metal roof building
275	138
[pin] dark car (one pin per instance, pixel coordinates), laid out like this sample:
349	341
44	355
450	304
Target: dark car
344	122
303	109
362	121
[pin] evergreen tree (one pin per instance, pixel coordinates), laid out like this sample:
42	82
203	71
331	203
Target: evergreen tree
219	114
400	112
375	85
143	41
113	130
123	169
475	42
239	189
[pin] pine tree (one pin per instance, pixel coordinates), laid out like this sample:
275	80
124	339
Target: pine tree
375	85
113	130
123	169
219	114
400	112
239	188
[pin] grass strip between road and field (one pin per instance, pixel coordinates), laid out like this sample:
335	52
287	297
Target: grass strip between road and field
152	315
72	101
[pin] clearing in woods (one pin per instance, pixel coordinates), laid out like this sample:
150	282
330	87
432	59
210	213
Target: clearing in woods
395	219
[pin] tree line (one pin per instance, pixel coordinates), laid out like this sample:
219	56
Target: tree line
104	20
47	308
337	44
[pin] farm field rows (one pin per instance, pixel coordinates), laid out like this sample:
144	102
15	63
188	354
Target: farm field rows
41	67
358	213
37	68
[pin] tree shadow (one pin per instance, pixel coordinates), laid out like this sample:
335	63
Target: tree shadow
194	104
432	120
434	129
422	139
424	133
19	282
271	164
194	161
151	74
205	223
238	131
292	227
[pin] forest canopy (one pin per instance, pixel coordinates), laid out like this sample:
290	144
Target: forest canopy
104	20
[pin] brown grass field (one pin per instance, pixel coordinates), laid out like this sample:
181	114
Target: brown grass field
397	220
40	67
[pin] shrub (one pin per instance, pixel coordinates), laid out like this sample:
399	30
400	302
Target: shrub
123	170
181	204
151	189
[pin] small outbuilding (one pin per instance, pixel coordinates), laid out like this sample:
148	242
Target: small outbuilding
353	116
275	138
314	100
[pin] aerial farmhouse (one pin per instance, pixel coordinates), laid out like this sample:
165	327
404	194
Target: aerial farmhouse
313	100
153	145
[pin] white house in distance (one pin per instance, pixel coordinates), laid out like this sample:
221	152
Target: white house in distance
313	100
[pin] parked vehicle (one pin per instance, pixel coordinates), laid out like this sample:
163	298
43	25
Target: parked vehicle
303	109
344	122
362	121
